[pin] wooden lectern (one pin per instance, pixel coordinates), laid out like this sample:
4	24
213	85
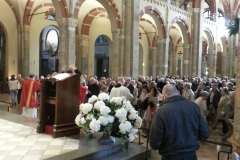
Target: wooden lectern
59	105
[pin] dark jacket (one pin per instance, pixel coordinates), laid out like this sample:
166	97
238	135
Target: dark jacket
216	98
131	88
177	126
94	89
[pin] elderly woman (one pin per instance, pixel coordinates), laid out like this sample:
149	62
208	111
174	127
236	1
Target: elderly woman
222	109
187	92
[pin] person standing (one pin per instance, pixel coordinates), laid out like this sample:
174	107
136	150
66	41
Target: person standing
212	103
119	90
13	87
177	126
29	99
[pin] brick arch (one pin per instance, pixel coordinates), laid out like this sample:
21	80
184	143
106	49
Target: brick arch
181	22
236	7
29	5
227	9
155	13
145	34
89	18
154	27
226	42
179	40
51	9
110	3
212	37
14	11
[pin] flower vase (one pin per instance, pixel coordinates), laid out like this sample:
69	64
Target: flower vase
106	139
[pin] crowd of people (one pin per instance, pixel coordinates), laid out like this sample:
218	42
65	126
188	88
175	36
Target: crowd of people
168	105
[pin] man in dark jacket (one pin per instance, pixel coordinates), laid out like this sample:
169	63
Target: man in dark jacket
93	88
177	126
212	103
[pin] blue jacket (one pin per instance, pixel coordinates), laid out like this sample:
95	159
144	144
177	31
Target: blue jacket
177	126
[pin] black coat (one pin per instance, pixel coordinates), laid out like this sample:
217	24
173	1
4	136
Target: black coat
94	89
216	98
177	126
131	88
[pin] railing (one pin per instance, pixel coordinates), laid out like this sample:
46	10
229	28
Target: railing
171	7
209	22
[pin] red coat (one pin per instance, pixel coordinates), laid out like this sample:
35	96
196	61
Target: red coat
83	92
29	96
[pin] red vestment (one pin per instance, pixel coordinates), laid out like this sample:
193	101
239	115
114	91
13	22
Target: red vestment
29	96
83	92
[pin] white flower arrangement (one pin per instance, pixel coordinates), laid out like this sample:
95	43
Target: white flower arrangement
100	112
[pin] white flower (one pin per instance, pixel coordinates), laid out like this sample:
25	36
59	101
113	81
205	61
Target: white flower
121	114
87	107
77	120
110	119
133	114
138	122
103	96
83	121
94	125
104	110
98	105
127	105
132	135
89	117
125	127
92	99
103	120
116	100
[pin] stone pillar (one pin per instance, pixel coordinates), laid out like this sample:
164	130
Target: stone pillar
231	56
224	64
212	61
115	58
78	53
131	38
160	51
152	61
186	59
25	50
84	53
170	59
190	62
174	62
67	27
236	125
197	19
20	49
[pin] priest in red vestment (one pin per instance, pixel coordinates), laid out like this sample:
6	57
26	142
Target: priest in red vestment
29	98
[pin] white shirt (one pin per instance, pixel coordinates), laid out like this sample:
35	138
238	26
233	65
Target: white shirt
120	92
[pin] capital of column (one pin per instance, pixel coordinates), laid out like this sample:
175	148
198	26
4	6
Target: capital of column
71	22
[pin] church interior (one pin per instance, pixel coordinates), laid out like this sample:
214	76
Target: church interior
111	38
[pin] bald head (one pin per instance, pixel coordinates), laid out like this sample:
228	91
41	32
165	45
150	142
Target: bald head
169	90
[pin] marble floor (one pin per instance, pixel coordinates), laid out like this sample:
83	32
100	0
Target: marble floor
19	140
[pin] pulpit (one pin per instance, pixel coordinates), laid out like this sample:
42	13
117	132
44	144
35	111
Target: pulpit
59	106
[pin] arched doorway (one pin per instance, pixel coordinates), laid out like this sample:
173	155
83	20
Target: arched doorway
49	42
101	62
2	54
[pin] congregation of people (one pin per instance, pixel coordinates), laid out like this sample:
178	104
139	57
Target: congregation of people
214	98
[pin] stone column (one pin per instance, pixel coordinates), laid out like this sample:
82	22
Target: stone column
197	20
190	62
212	61
170	59
67	27
236	125
78	52
20	49
152	61
131	37
186	59
224	64
231	56
115	58
160	51
25	50
174	62
165	57
84	53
